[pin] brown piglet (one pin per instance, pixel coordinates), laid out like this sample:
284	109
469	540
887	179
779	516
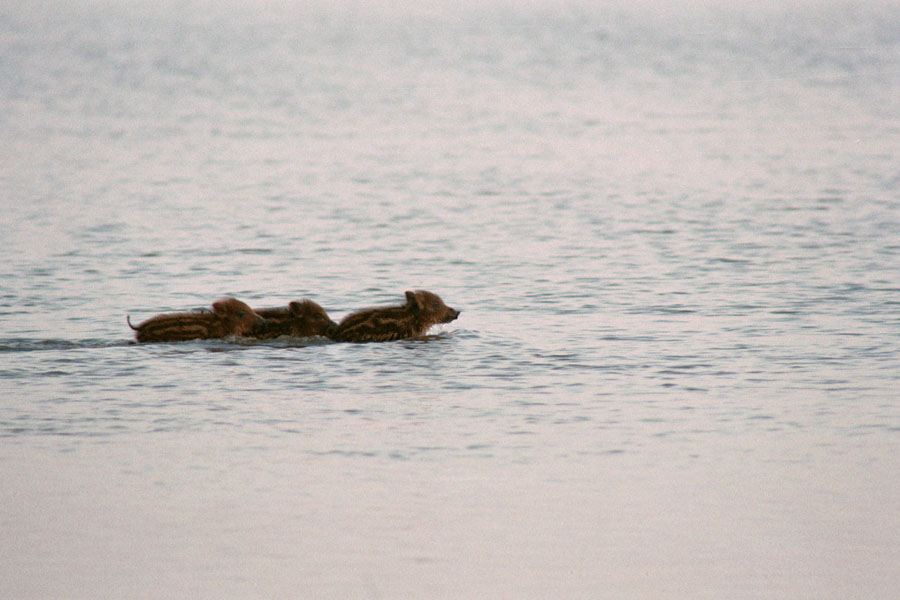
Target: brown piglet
228	317
298	319
421	311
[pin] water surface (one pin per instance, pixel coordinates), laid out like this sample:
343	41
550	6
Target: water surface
672	233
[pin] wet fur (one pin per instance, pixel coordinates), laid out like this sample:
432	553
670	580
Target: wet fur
413	319
228	317
297	319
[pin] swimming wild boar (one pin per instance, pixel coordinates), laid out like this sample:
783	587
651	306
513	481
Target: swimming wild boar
421	311
297	319
228	317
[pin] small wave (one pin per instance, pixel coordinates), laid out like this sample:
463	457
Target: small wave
36	345
284	341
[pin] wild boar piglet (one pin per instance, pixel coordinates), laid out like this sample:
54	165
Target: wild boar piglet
229	316
413	319
298	319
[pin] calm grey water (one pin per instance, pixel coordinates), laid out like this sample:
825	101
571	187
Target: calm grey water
673	231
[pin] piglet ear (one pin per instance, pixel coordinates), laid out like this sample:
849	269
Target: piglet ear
225	306
412	299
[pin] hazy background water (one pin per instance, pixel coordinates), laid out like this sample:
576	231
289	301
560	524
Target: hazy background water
672	231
